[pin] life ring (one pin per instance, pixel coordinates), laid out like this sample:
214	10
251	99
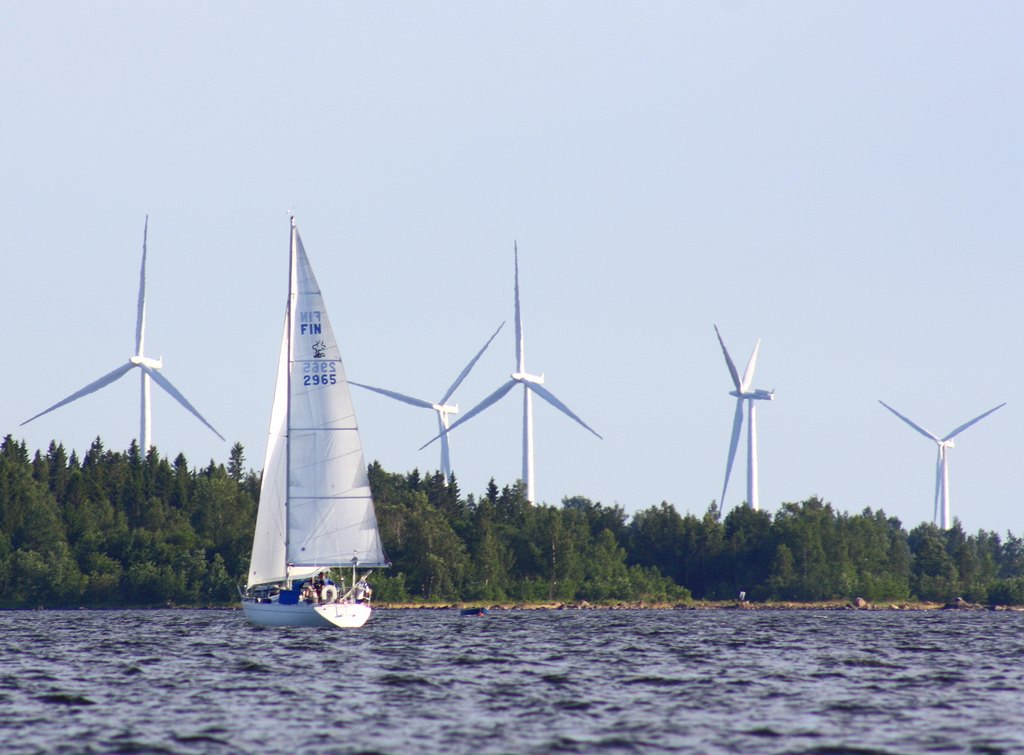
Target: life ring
328	593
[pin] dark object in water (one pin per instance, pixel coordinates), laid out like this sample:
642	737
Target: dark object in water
482	611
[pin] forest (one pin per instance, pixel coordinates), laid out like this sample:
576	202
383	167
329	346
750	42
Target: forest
114	528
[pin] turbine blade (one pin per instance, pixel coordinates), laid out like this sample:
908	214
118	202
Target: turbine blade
397	396
467	368
910	422
548	396
976	419
166	385
107	379
748	374
737	426
475	410
140	320
728	360
520	346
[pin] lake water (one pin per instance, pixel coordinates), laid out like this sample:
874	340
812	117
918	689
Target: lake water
514	682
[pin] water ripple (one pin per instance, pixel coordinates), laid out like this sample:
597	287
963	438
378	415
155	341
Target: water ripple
515	681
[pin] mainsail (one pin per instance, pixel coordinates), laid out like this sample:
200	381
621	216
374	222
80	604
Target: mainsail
315	504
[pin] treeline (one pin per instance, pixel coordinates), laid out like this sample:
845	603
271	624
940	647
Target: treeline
132	529
112	528
808	551
499	547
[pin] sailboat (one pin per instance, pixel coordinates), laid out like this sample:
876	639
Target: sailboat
316	513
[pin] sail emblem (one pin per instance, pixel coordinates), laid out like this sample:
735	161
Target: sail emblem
319	350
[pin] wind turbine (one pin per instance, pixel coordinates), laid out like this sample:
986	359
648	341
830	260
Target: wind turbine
531	384
942	463
743	393
442	407
148	367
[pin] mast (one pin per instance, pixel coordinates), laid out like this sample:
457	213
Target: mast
288	405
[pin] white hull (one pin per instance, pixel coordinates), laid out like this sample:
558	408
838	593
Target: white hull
345	615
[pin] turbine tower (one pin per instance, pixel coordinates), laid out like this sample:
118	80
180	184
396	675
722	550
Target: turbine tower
148	367
531	384
743	393
942	463
442	407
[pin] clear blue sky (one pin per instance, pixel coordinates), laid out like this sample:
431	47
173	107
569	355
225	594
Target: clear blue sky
843	181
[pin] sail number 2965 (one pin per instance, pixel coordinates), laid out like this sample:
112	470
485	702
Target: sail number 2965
320	373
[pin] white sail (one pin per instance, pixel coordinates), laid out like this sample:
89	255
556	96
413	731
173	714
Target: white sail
268	560
315	504
330	516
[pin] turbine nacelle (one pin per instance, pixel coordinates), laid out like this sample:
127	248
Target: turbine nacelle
153	364
525	377
445	409
758	395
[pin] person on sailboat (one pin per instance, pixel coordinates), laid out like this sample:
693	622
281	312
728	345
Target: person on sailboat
363	591
318	587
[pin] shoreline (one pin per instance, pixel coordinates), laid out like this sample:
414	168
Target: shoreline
583	605
702	605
